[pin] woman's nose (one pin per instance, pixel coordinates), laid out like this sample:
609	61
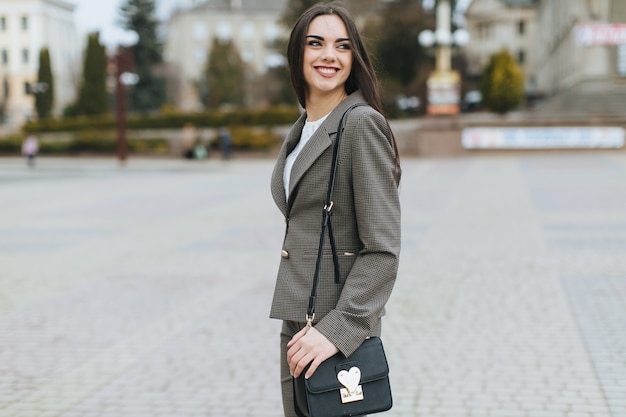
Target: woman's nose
328	54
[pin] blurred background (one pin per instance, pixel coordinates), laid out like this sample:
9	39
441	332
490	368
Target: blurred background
80	73
139	241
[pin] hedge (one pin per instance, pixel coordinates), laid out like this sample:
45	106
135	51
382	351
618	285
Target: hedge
105	141
86	142
269	117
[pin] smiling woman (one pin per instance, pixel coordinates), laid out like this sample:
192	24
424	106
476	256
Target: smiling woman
334	80
327	64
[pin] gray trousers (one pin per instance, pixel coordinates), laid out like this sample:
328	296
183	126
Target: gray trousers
289	329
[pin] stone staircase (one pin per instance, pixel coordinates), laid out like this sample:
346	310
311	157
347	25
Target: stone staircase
589	98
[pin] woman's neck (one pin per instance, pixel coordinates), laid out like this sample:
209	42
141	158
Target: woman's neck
319	106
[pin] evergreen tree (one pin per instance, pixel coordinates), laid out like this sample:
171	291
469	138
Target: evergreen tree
44	93
395	47
295	8
502	83
149	92
401	63
224	74
92	97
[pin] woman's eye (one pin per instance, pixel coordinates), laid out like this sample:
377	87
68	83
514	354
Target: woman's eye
344	46
314	43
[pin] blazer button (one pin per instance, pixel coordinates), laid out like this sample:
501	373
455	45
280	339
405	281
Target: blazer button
284	254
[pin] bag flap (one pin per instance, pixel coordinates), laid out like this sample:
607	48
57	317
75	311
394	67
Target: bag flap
369	358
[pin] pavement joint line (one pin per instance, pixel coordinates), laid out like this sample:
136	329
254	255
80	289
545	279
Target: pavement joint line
71	388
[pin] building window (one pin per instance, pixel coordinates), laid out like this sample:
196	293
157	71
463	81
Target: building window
247	55
200	31
24	22
272	32
247	31
621	60
521	27
5	89
200	55
521	57
484	30
224	31
27	90
25	56
5	56
3	23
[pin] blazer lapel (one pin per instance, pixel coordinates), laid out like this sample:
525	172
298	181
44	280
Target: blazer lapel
278	185
321	140
318	143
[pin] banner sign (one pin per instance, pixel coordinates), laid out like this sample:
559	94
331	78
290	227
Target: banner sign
443	92
542	137
600	34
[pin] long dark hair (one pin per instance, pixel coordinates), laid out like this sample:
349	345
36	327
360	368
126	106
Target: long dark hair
362	76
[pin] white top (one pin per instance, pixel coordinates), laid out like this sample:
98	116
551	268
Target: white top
307	131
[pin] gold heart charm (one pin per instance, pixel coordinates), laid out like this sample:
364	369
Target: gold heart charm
350	380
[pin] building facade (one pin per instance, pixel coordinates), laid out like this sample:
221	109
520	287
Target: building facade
252	25
494	25
27	26
560	44
566	60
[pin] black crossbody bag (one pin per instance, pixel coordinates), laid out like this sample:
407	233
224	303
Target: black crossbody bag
342	386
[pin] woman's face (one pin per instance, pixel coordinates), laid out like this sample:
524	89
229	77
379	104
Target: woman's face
327	56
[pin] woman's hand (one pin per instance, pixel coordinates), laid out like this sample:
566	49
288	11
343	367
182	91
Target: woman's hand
308	346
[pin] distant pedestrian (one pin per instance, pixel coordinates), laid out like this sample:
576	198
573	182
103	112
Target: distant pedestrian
226	142
30	147
189	140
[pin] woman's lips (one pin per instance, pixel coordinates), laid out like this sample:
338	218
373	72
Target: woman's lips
327	71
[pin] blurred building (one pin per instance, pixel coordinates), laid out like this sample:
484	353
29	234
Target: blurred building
579	41
26	26
503	24
252	25
572	51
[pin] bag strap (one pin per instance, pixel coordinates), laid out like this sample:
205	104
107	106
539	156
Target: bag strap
326	223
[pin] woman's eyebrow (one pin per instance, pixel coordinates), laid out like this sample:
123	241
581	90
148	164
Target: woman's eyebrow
321	38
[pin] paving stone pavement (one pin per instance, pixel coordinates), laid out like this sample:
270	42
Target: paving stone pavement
144	290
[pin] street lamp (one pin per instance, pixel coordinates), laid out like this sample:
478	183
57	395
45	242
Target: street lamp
444	83
123	78
39	88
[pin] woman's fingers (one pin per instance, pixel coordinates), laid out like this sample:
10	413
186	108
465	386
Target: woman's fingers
308	347
297	336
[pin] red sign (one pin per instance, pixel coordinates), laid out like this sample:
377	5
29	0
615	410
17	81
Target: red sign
607	34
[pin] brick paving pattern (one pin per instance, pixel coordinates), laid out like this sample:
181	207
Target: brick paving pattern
144	290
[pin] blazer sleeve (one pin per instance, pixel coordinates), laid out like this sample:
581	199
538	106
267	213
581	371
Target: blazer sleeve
369	283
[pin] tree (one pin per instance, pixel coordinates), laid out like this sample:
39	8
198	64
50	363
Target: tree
92	96
396	48
402	64
502	83
295	8
44	92
149	92
224	75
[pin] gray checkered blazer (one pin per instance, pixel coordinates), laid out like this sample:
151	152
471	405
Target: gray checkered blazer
366	225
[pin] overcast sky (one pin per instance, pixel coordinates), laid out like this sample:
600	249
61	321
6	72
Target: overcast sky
101	15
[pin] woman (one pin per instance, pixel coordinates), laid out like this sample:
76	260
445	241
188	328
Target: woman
330	71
